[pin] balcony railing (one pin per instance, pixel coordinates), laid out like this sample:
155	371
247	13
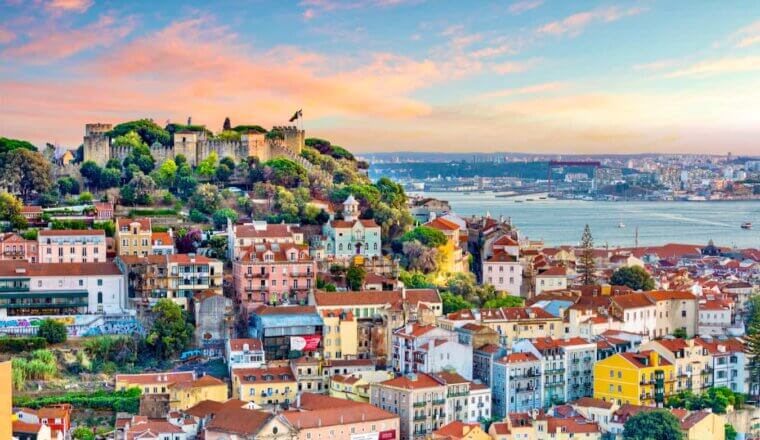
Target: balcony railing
419	404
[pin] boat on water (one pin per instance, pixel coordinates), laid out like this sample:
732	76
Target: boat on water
518	201
621	225
747	225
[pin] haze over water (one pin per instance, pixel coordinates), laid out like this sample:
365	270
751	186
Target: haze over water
562	221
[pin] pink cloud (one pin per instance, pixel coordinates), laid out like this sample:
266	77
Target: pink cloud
6	36
525	5
515	66
655	65
748	35
494	51
59	6
48	45
528	90
308	14
719	67
574	25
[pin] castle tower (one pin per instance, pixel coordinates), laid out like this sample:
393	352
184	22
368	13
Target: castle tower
186	144
97	144
256	145
350	209
293	138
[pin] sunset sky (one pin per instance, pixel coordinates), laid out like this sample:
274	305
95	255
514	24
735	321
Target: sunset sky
382	75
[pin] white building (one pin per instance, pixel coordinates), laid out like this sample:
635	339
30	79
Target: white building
351	236
430	349
244	353
714	318
504	272
637	311
61	289
554	278
72	246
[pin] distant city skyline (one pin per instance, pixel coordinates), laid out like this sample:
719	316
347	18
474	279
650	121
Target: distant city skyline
524	76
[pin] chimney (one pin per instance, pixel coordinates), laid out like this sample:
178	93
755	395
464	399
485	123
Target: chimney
654	359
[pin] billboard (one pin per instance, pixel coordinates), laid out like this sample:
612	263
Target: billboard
382	435
305	343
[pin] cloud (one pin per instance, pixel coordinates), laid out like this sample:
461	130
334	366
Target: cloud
574	25
48	45
515	66
748	35
525	5
308	14
313	7
528	90
494	51
719	67
6	36
61	6
655	65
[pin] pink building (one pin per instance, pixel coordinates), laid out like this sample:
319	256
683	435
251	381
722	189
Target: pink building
32	214
321	417
72	246
103	211
273	272
15	247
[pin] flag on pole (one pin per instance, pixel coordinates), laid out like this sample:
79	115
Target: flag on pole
296	115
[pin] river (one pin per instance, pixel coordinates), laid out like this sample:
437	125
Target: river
562	221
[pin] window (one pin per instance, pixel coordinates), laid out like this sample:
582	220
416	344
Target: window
100	297
100	282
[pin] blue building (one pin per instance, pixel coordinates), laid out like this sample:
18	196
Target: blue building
351	236
516	384
287	332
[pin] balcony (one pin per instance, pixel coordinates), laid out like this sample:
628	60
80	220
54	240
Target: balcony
458	394
419	404
418	417
439	401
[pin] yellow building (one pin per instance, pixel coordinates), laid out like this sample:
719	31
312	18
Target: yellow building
703	425
6	397
636	378
152	383
183	395
340	334
515	323
133	236
356	386
452	255
265	386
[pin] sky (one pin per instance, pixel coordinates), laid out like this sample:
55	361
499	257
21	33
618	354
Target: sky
544	76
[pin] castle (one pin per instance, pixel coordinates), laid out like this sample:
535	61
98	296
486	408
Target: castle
196	146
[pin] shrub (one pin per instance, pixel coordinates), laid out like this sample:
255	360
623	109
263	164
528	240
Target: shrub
18	345
53	331
121	401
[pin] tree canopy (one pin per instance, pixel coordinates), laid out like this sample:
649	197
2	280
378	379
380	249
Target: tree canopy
504	301
453	303
653	425
170	333
635	277
148	131
7	144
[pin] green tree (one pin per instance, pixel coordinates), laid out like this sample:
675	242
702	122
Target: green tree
148	131
427	236
504	301
453	303
207	166
82	433
28	171
206	198
68	185
166	174
91	172
223	173
730	432
220	217
285	172
7	145
586	264
653	425
680	333
170	333
109	178
355	277
128	140
635	277
53	331
10	207
227	124
185	182
414	280
141	157
218	247
139	189
196	216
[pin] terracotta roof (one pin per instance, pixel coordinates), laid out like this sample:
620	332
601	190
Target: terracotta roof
207	408
714	345
162	237
309	416
239	343
637	359
422	381
21	268
693	418
278	251
31	209
239	421
349	363
264	375
365	297
514	358
168	377
204	381
27	428
61	232
414	296
554	271
515	314
714	305
632	301
415	330
450	378
144	222
285	310
663	295
272	230
189	259
442	224
501	428
571	426
673	345
505	240
549	343
456	429
590	402
489	348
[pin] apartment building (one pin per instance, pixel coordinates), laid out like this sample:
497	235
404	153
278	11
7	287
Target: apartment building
244	353
466	401
689	359
273	273
267	386
727	363
418	399
71	246
642	378
515	323
133	236
241	237
340	334
517	384
430	349
15	247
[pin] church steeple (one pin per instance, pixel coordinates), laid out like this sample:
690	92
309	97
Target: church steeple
350	209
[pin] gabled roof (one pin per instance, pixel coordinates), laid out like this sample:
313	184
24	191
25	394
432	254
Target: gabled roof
590	402
239	421
239	343
455	430
632	301
421	381
554	271
442	224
